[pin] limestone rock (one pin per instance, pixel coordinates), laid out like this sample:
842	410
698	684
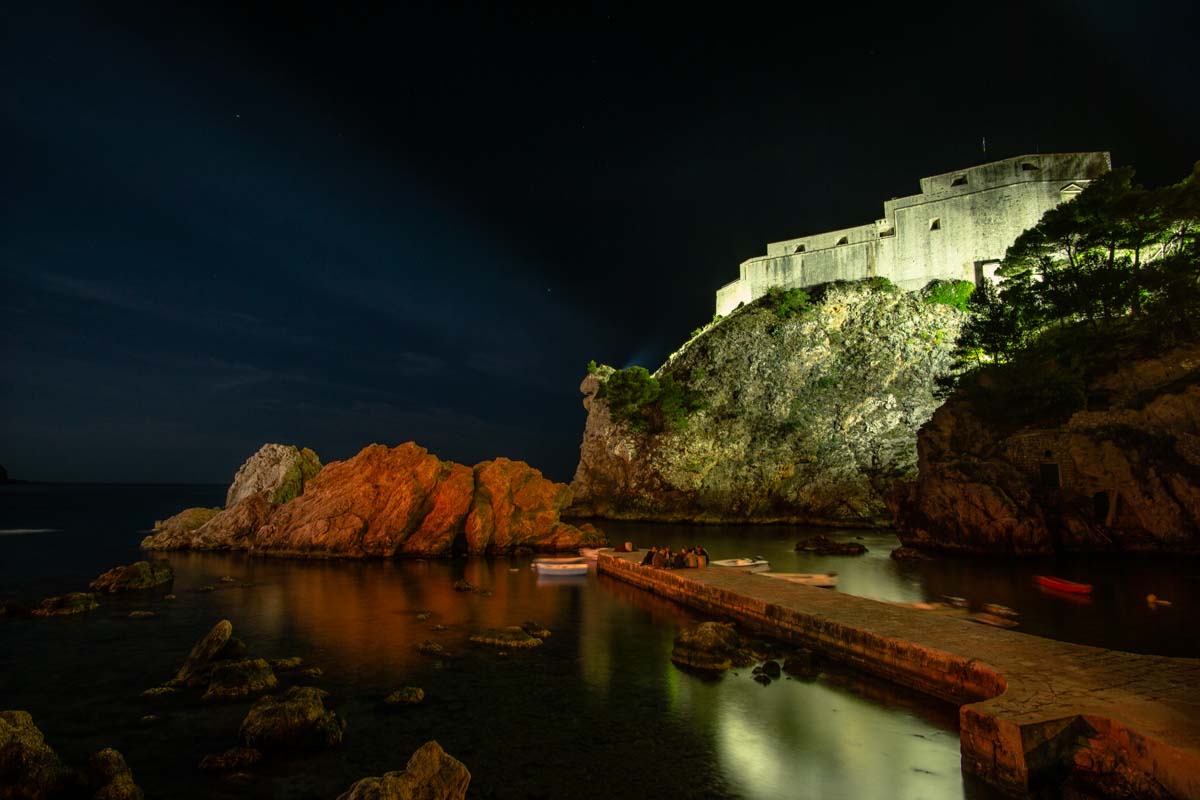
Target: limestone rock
29	768
708	647
278	471
431	774
1124	476
203	653
515	506
231	680
180	527
231	528
67	604
296	720
807	419
139	575
111	778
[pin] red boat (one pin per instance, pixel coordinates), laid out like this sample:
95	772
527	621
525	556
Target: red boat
1060	585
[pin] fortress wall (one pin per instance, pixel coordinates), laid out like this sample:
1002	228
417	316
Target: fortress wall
729	295
819	241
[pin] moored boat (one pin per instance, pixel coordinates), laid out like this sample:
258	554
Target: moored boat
577	568
564	560
592	553
749	564
821	580
1063	585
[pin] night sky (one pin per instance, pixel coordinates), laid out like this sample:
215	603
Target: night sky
307	225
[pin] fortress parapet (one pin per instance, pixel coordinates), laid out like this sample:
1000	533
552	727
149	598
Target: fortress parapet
957	228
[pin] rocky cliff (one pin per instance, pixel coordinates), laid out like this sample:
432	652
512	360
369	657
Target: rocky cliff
387	502
805	413
1123	474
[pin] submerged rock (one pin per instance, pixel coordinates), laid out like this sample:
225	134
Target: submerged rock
408	696
463	585
513	636
231	680
285	664
234	758
141	614
64	605
139	575
708	647
535	629
431	774
295	720
822	545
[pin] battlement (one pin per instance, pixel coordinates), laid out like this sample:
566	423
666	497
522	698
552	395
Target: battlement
957	228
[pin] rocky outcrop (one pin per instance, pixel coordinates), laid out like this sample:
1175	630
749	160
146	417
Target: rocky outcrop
29	768
431	774
400	501
806	418
133	577
277	471
66	604
1122	475
708	647
294	721
181	526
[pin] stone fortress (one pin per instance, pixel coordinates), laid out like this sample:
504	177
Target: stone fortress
957	228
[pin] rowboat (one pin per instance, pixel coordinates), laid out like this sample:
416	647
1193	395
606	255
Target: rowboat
749	564
566	560
544	568
822	580
592	553
1061	585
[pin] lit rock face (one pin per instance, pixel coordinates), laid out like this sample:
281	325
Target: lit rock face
431	774
278	470
1125	477
400	501
809	419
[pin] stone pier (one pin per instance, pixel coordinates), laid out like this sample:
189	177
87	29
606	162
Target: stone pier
1033	710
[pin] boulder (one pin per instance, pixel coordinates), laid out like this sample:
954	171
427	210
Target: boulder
295	720
408	696
139	575
29	768
707	647
234	758
513	636
822	545
232	680
431	774
64	605
277	471
203	653
111	778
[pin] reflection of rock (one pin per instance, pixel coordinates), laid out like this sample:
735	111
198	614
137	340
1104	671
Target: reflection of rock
230	680
408	696
28	766
513	636
709	647
140	575
111	778
63	605
296	720
431	774
822	545
232	759
277	471
204	652
386	502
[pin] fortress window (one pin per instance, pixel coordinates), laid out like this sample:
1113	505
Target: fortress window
799	249
842	240
1028	167
961	180
935	224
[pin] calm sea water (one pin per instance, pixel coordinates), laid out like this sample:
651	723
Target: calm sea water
598	711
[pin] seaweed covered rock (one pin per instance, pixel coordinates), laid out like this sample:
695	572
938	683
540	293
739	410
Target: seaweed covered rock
277	471
431	774
29	768
139	575
295	720
67	604
707	647
232	680
407	696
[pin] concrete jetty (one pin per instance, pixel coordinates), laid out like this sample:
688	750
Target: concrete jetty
1033	710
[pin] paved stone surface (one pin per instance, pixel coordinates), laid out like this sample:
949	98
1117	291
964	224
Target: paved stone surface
1124	724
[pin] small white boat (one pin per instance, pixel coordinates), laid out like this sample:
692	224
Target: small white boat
748	564
822	580
567	560
545	568
592	553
